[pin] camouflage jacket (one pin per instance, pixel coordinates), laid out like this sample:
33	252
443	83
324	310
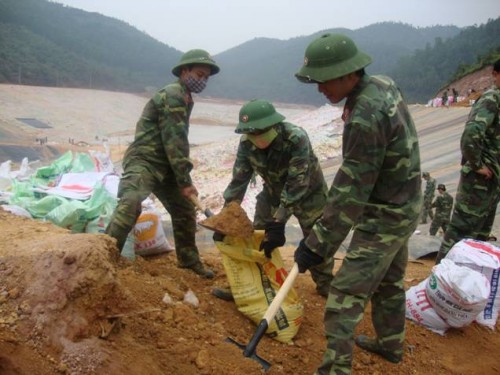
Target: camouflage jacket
289	168
378	186
480	142
430	188
443	205
161	136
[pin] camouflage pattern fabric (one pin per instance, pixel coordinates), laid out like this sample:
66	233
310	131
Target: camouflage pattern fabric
293	180
382	262
161	135
443	205
307	212
377	193
430	188
157	161
477	198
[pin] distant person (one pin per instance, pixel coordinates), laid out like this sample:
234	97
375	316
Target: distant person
455	95
443	205
282	155
478	191
430	188
376	193
157	161
444	98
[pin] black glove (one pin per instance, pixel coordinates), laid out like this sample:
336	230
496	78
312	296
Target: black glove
218	237
305	258
274	237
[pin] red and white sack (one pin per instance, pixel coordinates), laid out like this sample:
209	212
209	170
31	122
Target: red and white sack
483	257
420	310
458	294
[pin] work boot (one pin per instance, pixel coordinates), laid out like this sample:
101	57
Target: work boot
200	269
371	345
323	290
223	293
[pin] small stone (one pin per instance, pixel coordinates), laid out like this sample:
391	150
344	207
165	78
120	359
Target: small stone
202	359
70	259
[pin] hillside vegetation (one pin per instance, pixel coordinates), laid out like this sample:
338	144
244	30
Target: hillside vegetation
49	44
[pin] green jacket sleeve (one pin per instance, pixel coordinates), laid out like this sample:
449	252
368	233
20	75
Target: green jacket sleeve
173	120
480	139
298	181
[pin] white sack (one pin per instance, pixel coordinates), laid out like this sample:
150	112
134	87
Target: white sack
17	210
420	310
149	235
458	294
483	257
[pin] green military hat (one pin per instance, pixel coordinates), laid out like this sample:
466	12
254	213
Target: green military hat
331	56
257	115
441	187
196	56
426	174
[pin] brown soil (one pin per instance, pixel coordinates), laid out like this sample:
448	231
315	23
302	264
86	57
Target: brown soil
232	220
69	305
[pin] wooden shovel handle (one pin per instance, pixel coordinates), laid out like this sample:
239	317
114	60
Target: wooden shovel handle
194	199
281	295
197	204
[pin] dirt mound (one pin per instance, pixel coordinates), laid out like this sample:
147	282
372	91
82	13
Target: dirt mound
232	221
69	305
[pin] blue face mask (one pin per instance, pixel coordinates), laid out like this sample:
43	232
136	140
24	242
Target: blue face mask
196	85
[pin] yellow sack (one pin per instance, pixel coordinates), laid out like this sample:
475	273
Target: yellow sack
255	280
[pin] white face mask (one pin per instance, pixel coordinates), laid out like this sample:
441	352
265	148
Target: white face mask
196	85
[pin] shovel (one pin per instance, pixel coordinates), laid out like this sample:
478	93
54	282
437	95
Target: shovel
249	349
194	199
206	211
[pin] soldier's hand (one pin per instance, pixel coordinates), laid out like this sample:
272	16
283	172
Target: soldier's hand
486	172
306	258
274	237
188	191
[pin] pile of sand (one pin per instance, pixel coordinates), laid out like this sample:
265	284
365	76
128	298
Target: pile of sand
232	221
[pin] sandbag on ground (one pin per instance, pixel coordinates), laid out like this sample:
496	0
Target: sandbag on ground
255	280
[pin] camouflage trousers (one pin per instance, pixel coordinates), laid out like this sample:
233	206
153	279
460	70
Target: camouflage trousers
373	270
439	221
426	212
474	212
306	212
137	184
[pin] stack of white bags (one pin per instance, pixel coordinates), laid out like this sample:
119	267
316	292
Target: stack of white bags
462	289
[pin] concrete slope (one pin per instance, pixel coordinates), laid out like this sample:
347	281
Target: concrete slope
439	131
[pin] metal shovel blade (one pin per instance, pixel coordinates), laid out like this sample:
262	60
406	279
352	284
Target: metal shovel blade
211	228
265	364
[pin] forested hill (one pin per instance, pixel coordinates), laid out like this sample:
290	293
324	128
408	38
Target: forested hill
44	43
272	63
49	44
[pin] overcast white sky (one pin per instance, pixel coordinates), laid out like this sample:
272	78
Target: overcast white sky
217	25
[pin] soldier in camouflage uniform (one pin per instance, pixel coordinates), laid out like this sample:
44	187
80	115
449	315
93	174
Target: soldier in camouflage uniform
443	205
478	191
157	161
430	187
376	192
282	155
